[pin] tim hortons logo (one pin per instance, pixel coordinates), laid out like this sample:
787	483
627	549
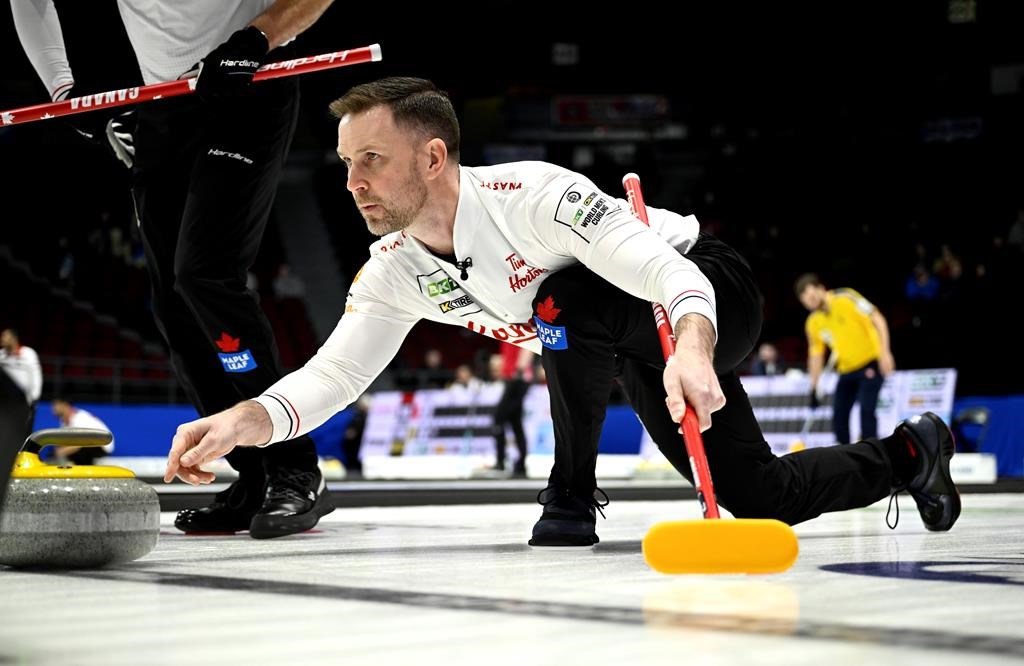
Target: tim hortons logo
515	333
518	281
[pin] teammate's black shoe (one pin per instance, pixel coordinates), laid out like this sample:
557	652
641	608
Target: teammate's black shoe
932	444
296	500
568	519
231	511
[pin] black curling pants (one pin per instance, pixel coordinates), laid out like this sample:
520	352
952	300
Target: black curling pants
611	334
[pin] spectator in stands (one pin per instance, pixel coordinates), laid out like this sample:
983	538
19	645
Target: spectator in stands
948	267
922	285
65	263
352	439
433	374
465	380
514	368
1015	237
858	334
767	361
205	171
288	284
22	374
71	416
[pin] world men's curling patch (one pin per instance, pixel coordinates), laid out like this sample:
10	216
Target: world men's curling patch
582	208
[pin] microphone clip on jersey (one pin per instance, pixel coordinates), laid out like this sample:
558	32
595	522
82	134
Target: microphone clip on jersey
464	266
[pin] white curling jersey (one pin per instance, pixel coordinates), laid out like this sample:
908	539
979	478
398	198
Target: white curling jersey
515	224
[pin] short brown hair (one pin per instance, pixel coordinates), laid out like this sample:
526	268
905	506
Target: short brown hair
414	103
806	280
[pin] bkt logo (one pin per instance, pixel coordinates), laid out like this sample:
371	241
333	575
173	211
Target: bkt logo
445	286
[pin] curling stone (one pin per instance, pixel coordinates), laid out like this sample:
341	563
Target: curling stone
75	517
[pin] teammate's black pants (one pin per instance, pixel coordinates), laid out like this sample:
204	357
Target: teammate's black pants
16	420
205	179
860	386
611	334
18	414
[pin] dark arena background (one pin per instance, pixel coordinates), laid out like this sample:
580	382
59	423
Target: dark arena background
877	145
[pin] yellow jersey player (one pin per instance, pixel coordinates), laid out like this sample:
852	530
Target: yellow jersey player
856	331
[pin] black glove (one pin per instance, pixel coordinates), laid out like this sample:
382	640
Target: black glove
112	129
229	68
90	125
121	137
814	402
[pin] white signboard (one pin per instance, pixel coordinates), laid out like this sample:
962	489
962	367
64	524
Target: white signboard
781	405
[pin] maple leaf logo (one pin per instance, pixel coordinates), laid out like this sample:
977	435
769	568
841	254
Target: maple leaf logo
7	118
227	343
547	311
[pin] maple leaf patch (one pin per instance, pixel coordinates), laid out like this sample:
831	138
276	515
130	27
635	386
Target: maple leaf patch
227	343
547	311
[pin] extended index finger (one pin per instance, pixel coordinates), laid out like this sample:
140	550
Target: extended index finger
181	443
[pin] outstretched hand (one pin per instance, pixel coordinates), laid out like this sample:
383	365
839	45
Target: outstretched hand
201	441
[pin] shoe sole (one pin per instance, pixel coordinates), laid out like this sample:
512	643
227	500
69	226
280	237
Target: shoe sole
218	531
192	532
945	456
564	541
270	527
549	535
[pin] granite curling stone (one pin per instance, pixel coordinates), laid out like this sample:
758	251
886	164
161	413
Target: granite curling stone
81	516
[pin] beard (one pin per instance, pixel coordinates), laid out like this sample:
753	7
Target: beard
396	216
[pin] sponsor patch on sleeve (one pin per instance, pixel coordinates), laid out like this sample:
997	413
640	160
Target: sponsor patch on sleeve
552	337
582	208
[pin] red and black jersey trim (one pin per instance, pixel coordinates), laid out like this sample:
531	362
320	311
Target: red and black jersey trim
289	409
687	295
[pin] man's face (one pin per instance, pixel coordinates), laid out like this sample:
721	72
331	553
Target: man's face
7	340
383	171
813	297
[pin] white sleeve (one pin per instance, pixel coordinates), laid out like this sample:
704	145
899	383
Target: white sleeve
573	218
40	34
366	339
35	386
